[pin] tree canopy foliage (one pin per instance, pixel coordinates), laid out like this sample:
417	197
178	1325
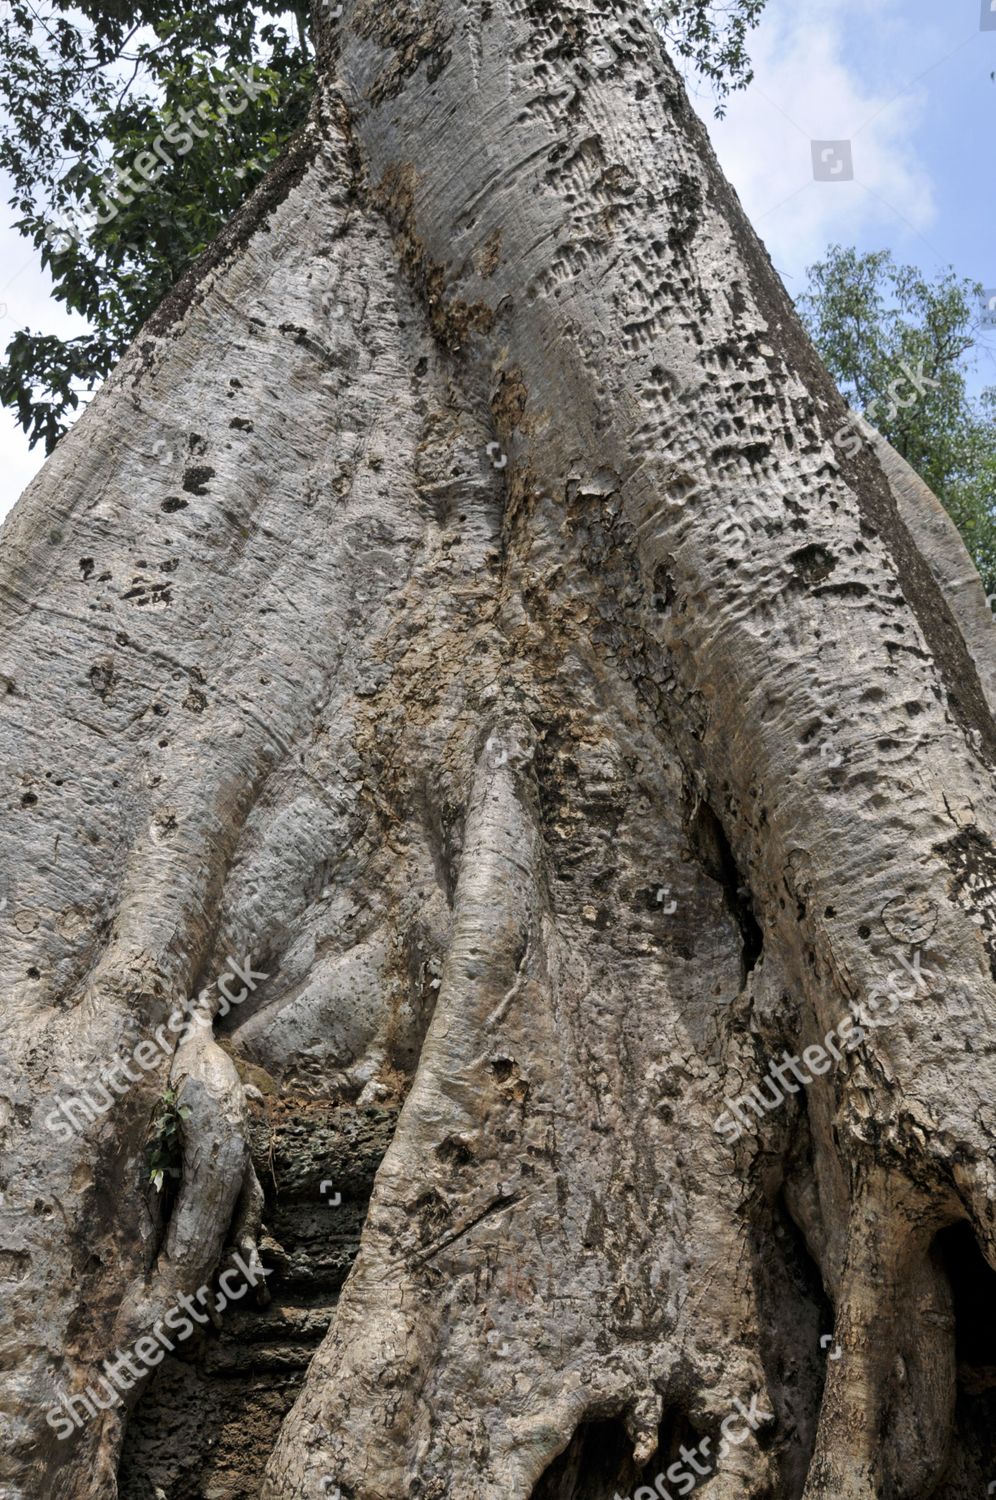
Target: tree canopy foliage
85	91
713	38
88	90
872	321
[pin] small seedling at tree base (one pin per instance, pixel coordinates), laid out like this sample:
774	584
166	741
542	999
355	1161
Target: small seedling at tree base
166	1146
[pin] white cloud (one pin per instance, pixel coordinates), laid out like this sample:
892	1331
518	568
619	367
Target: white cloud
808	87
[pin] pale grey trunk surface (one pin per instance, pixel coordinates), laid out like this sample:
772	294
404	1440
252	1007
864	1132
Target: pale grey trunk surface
456	604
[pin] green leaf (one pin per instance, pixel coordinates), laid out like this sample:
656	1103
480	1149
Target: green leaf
67	125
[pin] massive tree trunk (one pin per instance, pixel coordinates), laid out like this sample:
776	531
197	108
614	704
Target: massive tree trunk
455	607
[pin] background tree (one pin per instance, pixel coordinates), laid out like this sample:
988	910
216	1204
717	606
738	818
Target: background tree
455	600
86	89
870	318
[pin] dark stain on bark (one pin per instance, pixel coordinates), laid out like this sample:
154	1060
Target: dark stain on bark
451	319
414	32
811	565
508	404
195	479
685	204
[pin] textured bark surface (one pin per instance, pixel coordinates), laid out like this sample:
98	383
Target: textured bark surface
455	603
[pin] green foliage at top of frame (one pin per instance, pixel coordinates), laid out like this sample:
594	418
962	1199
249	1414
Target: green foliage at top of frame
85	92
713	38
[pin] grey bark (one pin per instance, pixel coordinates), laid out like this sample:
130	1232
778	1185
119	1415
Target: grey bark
506	659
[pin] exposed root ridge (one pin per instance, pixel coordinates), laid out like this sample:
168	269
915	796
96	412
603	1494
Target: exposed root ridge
888	1408
218	1181
391	1321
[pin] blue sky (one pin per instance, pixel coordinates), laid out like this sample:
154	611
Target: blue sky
907	82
